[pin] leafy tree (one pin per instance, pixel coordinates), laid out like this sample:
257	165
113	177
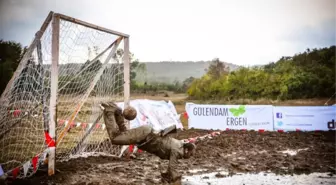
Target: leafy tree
10	56
310	74
187	82
217	69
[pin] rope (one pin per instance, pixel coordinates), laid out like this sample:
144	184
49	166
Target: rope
326	103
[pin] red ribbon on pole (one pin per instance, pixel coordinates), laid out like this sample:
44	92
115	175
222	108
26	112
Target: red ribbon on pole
34	162
50	142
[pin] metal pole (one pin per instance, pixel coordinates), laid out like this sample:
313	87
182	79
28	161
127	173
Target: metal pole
53	89
127	71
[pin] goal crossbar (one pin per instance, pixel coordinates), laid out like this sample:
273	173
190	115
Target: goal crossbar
86	24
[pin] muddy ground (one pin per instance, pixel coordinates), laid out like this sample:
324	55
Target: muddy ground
236	151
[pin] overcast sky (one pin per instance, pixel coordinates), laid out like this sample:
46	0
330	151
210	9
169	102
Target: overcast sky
243	32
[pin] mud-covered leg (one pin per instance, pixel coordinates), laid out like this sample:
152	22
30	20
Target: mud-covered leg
110	119
112	110
115	123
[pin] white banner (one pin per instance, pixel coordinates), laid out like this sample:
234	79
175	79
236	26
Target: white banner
307	118
249	117
158	114
187	106
173	109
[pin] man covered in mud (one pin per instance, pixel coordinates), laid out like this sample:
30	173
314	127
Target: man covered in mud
146	138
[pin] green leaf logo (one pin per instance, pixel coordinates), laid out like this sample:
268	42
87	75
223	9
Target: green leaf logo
239	111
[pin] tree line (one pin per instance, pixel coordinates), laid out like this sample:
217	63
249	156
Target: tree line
310	74
73	78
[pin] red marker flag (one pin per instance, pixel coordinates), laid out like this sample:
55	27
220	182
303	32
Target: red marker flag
34	162
15	172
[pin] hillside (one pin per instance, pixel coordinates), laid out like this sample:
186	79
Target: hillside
168	72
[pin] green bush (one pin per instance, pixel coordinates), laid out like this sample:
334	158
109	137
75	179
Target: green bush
310	74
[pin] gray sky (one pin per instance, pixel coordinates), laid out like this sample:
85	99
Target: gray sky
242	32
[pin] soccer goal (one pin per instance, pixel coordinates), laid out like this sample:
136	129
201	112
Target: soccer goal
50	108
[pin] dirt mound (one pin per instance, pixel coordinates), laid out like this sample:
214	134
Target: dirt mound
236	151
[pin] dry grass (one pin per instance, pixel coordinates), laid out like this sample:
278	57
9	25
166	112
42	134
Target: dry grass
171	96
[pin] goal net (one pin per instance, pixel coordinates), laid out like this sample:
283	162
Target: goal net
76	66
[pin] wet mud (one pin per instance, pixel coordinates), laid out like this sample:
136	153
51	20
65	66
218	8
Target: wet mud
235	151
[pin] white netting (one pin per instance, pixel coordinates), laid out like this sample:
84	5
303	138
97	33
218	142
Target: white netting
21	110
79	45
83	53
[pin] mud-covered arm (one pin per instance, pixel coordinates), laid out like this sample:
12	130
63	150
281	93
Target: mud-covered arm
111	125
173	164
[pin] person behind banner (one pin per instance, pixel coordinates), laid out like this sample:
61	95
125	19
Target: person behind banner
146	138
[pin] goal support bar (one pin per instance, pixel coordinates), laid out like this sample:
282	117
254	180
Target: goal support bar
127	72
53	91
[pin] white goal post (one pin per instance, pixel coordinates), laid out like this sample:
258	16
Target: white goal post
50	107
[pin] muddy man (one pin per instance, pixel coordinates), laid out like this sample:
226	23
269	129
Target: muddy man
146	138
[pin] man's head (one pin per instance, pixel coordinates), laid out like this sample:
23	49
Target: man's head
188	150
129	113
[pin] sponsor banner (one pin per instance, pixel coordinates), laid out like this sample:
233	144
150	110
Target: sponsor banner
305	118
187	106
236	117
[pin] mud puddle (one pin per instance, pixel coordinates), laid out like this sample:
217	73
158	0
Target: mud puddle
223	177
